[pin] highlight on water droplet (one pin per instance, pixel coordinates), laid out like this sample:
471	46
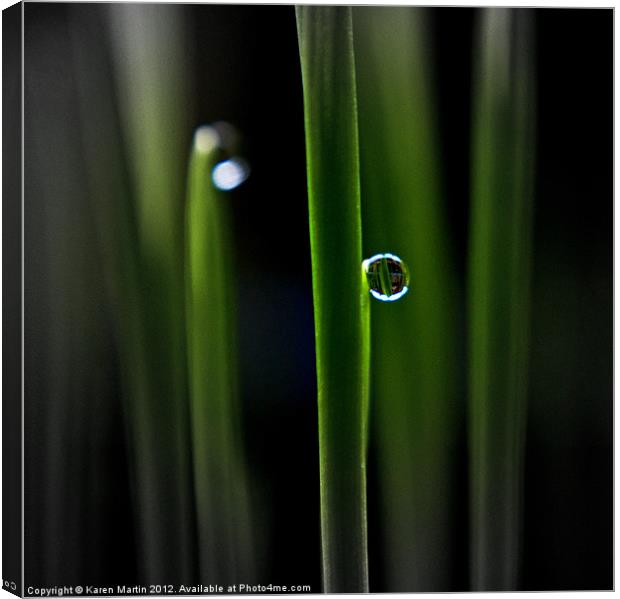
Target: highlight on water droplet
387	276
231	173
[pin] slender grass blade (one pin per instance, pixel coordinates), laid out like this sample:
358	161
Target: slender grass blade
499	292
415	340
342	325
152	82
220	479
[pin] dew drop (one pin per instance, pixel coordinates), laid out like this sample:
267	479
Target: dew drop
231	173
387	276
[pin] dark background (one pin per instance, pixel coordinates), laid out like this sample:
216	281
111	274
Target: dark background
79	521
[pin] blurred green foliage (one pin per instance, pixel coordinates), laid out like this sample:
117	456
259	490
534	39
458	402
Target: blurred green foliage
220	479
499	291
414	341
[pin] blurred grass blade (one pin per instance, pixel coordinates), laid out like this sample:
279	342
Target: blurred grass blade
220	479
499	270
114	221
415	340
72	407
149	46
149	60
340	297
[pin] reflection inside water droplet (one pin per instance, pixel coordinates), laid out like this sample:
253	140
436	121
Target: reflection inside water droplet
387	276
228	174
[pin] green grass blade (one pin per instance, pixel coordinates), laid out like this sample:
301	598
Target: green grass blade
114	222
499	271
154	97
152	82
220	479
415	348
340	296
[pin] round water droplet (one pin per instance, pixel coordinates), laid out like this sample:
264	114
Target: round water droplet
231	173
387	276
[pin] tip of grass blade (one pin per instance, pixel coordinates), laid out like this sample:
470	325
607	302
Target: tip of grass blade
206	139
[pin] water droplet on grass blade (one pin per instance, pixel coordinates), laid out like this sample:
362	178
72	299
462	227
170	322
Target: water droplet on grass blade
230	173
387	276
